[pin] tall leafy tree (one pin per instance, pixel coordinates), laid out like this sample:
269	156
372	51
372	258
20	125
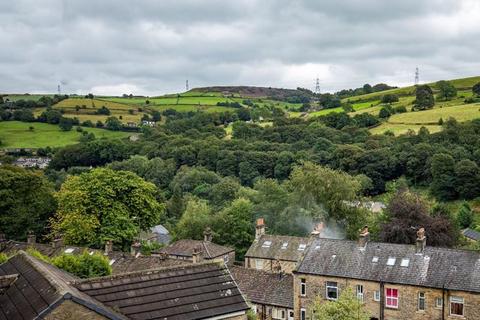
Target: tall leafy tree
476	89
465	215
234	226
446	89
443	176
196	218
26	202
424	97
105	205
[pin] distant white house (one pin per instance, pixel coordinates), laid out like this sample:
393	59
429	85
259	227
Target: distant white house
148	123
158	234
32	162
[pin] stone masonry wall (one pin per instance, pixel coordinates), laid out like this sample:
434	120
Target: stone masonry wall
407	303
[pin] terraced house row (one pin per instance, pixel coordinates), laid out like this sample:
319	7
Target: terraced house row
393	281
280	278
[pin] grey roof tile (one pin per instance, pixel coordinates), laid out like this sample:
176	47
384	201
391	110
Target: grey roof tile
277	249
435	267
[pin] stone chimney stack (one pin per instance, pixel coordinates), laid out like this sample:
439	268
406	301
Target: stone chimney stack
57	243
259	228
207	235
317	230
135	248
421	241
363	237
31	238
197	255
108	247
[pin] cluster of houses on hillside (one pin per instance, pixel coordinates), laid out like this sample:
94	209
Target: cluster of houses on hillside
32	162
281	276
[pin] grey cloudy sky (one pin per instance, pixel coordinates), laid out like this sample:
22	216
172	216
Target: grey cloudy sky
151	47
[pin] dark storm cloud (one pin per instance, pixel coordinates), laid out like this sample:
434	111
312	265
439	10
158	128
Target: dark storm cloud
149	47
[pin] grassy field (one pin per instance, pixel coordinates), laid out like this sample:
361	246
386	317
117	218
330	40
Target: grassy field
34	97
88	107
15	134
432	116
399	129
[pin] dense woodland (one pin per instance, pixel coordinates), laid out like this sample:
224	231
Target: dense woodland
188	175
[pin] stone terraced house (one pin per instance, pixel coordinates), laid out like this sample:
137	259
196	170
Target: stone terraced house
394	281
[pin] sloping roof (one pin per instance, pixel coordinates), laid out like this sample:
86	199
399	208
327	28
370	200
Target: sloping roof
262	287
435	267
185	248
277	248
471	234
120	261
196	291
40	286
129	264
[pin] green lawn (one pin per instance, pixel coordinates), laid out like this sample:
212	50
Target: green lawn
460	112
15	134
398	129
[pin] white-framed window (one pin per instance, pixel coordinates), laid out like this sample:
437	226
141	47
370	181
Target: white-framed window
376	295
266	244
391	298
391	261
331	290
375	259
303	287
456	306
359	290
259	264
421	301
284	245
278	313
225	258
303	314
302	246
405	262
438	302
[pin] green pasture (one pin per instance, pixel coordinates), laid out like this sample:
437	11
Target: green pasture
15	134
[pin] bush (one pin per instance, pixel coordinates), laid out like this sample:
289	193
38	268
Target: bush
148	247
84	265
400	109
79	129
389	98
3	257
384	113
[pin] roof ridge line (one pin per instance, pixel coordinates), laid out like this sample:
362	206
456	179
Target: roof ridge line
147	271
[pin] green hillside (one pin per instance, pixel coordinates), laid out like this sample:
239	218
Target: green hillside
15	134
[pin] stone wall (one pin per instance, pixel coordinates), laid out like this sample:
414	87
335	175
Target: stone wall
268	264
68	310
407	303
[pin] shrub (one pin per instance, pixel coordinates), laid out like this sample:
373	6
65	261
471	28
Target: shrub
389	98
84	265
79	129
400	109
3	257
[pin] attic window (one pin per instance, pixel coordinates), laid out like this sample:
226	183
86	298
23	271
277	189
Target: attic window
405	262
267	244
284	245
391	261
302	246
69	250
375	259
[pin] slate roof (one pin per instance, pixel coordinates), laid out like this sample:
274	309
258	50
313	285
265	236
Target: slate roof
121	262
471	234
185	248
129	264
265	288
195	291
38	287
277	250
436	267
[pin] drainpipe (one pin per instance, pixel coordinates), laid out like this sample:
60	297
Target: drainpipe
443	302
382	300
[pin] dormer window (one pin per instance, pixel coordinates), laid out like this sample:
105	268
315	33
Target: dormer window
302	246
284	245
375	259
391	261
267	244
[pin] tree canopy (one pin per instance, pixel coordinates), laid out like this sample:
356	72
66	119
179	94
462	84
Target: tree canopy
105	205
